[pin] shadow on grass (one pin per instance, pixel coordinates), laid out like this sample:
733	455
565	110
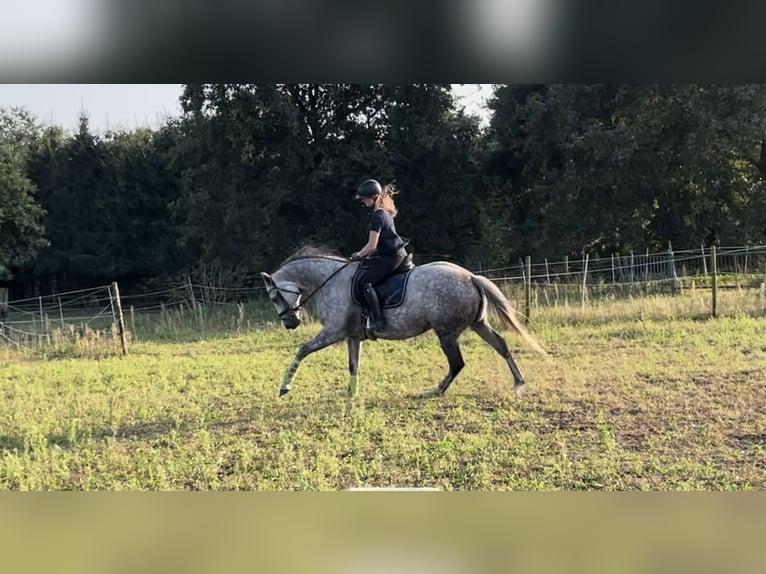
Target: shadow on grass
158	430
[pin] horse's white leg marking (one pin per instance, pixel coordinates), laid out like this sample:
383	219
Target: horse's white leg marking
289	376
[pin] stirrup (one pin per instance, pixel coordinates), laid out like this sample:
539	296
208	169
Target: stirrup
370	324
369	328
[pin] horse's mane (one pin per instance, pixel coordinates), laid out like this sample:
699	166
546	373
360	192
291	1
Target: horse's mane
311	252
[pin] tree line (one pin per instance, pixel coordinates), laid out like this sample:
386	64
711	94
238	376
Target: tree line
249	173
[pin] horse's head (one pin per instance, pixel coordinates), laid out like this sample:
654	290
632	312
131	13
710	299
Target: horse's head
285	297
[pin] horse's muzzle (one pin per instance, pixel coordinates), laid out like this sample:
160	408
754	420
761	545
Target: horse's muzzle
291	323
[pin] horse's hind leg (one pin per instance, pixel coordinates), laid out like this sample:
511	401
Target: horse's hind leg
497	342
451	348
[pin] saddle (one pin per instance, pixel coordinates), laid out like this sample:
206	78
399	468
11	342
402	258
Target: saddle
391	290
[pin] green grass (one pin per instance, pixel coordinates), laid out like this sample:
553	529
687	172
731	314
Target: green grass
642	394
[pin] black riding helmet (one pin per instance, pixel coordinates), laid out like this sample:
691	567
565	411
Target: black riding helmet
368	188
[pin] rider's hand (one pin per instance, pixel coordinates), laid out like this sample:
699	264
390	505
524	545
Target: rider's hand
355	256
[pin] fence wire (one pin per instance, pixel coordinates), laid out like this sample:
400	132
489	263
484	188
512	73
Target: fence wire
34	321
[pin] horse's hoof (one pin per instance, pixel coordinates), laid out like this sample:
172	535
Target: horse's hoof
283	392
431	394
518	388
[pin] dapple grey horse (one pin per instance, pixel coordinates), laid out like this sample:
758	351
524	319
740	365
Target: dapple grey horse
440	296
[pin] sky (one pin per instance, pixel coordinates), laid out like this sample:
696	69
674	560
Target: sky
109	106
130	106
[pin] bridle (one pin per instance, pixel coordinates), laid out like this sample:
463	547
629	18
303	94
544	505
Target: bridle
286	308
289	309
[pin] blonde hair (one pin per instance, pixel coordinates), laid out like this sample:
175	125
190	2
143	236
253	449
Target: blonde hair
386	199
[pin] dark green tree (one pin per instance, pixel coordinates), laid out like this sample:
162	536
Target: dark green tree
269	168
76	181
431	151
606	168
21	230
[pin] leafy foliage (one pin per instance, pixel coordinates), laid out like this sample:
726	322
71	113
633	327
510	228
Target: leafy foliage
250	172
608	168
21	231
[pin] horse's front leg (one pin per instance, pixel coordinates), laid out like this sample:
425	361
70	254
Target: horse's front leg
324	339
354	356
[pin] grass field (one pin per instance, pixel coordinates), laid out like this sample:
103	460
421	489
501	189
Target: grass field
643	394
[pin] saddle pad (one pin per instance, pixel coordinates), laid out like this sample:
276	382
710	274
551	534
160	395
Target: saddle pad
390	291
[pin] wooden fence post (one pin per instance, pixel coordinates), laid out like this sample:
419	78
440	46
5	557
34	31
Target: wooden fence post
584	280
4	310
115	293
714	269
672	268
528	289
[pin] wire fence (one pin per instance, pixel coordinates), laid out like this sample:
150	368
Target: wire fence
639	268
88	317
587	281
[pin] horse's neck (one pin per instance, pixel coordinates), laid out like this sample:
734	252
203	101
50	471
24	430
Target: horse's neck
311	272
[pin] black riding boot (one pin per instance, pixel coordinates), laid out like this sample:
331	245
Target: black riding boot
379	323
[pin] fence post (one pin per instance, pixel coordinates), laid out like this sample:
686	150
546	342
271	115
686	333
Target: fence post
528	289
42	319
672	268
646	273
117	305
566	268
584	280
547	272
714	269
133	321
4	310
61	313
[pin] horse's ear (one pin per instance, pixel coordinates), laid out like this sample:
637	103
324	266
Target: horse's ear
267	278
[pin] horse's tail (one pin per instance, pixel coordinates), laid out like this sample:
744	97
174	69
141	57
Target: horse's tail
503	309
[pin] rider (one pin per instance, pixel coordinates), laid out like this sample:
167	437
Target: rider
383	238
